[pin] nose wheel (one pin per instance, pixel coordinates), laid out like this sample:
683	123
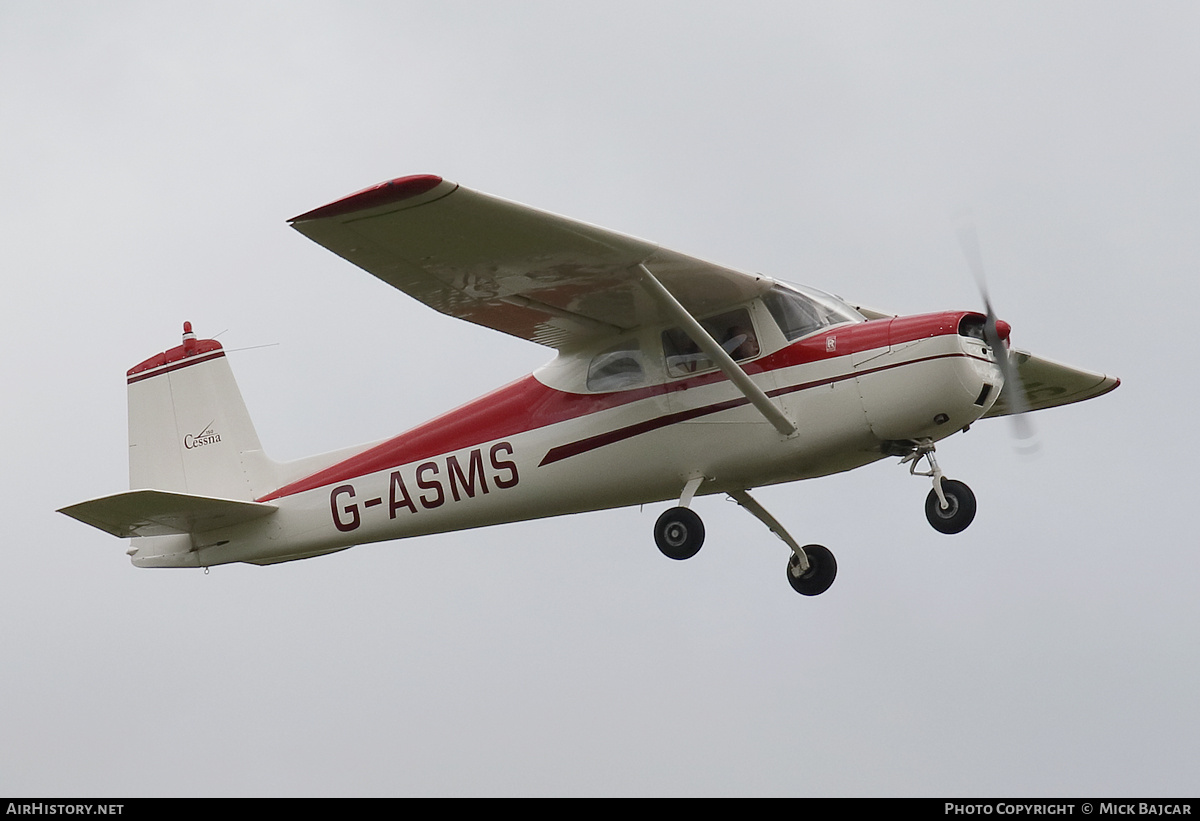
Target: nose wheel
958	511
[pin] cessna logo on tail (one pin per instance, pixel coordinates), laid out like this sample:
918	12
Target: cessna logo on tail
204	437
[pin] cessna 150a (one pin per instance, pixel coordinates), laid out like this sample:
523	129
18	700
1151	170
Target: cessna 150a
674	378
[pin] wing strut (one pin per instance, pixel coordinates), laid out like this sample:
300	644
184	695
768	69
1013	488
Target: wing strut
714	351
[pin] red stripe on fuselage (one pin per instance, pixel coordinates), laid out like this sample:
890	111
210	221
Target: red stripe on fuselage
522	406
527	404
557	454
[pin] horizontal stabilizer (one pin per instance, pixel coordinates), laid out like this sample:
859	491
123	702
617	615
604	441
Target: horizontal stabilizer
163	513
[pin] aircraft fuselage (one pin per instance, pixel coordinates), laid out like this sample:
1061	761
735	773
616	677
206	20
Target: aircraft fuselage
535	448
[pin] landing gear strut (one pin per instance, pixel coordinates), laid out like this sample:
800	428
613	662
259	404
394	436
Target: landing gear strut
812	568
679	533
950	506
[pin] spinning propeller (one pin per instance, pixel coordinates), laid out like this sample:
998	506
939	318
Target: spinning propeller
996	332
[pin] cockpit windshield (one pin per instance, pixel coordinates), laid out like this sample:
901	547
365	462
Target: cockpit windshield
800	312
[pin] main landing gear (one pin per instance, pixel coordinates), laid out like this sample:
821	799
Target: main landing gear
950	506
679	534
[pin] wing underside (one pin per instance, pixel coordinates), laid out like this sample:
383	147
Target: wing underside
529	273
1049	384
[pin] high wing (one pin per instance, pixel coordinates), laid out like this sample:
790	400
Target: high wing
557	281
1049	384
529	273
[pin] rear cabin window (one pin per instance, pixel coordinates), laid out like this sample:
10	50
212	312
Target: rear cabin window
617	368
733	330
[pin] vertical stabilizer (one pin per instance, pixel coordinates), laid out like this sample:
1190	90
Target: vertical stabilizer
188	427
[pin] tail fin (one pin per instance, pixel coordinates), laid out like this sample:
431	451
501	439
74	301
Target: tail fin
189	430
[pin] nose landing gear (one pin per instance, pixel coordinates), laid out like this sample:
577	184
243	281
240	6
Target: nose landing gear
950	506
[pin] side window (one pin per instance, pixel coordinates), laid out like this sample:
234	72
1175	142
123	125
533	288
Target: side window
617	368
733	330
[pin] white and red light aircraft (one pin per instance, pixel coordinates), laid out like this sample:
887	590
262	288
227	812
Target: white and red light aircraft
674	378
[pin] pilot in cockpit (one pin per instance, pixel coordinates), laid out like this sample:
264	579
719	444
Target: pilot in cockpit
740	343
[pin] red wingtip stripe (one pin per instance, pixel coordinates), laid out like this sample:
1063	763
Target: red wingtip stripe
385	193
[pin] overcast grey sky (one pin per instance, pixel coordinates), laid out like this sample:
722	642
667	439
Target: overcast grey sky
152	153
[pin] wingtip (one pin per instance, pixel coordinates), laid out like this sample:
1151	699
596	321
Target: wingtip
385	193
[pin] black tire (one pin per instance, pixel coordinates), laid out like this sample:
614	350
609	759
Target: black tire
822	570
959	514
679	533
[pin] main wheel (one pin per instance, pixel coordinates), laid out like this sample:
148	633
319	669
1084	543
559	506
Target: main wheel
960	511
822	570
679	533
